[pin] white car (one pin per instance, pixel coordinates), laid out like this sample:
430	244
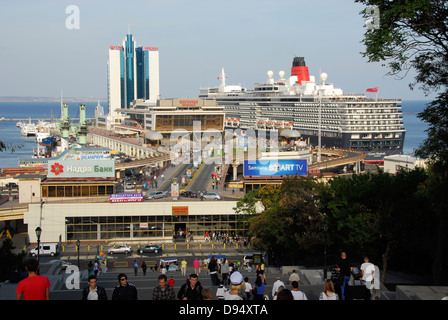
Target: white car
212	196
120	249
155	195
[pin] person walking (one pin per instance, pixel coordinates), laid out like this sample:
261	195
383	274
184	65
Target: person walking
225	271
35	286
259	289
368	276
345	269
135	267
163	291
124	290
93	291
144	267
277	284
197	266
213	270
183	267
296	293
191	290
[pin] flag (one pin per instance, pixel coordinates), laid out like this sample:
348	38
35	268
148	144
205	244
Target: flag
372	89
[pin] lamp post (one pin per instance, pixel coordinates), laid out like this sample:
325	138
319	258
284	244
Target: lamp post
38	233
325	251
77	249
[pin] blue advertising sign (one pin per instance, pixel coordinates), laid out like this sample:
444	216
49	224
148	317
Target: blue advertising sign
277	167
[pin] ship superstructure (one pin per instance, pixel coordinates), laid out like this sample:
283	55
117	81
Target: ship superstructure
349	121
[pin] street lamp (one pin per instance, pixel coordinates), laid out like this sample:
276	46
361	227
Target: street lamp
325	251
77	246
38	233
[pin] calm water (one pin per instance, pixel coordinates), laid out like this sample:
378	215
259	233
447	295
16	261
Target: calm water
10	133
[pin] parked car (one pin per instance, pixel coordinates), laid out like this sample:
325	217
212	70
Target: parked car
150	248
155	195
11	185
212	196
120	249
189	194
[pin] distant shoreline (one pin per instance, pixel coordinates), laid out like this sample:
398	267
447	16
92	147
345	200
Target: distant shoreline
49	99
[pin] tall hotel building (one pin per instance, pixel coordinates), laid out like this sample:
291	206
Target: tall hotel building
132	73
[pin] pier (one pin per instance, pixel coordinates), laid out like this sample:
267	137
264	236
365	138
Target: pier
41	119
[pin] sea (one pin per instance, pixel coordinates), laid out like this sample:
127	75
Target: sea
10	133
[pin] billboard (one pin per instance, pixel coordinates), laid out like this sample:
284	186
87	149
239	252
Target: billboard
81	169
276	167
126	197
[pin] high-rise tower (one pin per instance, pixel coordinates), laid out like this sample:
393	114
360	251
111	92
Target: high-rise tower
132	73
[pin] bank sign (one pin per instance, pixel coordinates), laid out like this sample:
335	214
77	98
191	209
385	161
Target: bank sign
277	167
81	169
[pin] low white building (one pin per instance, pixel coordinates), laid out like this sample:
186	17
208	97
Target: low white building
395	163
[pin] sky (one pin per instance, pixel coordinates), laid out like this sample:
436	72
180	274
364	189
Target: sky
44	51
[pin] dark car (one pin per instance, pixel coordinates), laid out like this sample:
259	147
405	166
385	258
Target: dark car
151	248
189	194
11	186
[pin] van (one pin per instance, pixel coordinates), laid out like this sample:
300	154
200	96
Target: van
252	259
46	249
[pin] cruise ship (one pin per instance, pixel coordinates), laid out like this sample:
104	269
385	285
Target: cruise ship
349	121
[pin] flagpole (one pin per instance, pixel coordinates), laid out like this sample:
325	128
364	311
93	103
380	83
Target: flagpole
376	97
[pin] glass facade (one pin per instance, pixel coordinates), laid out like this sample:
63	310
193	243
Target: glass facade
77	190
185	121
152	227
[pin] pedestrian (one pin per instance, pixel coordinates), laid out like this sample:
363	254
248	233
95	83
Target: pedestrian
183	267
329	292
276	285
171	282
225	271
213	270
259	289
93	291
368	277
191	290
144	267
124	290
236	286
285	294
35	286
297	294
221	291
248	288
163	291
293	277
345	269
197	266
135	267
96	268
355	289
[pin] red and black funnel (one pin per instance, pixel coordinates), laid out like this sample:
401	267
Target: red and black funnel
300	70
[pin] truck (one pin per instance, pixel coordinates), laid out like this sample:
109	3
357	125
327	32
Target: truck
46	249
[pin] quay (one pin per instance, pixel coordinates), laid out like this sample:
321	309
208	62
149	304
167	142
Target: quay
40	119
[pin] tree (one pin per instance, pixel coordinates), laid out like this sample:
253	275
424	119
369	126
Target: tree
413	35
290	221
378	215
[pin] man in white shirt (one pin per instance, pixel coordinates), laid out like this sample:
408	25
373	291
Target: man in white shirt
275	287
368	275
293	277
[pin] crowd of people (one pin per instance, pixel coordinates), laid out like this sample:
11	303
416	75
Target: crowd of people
347	282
